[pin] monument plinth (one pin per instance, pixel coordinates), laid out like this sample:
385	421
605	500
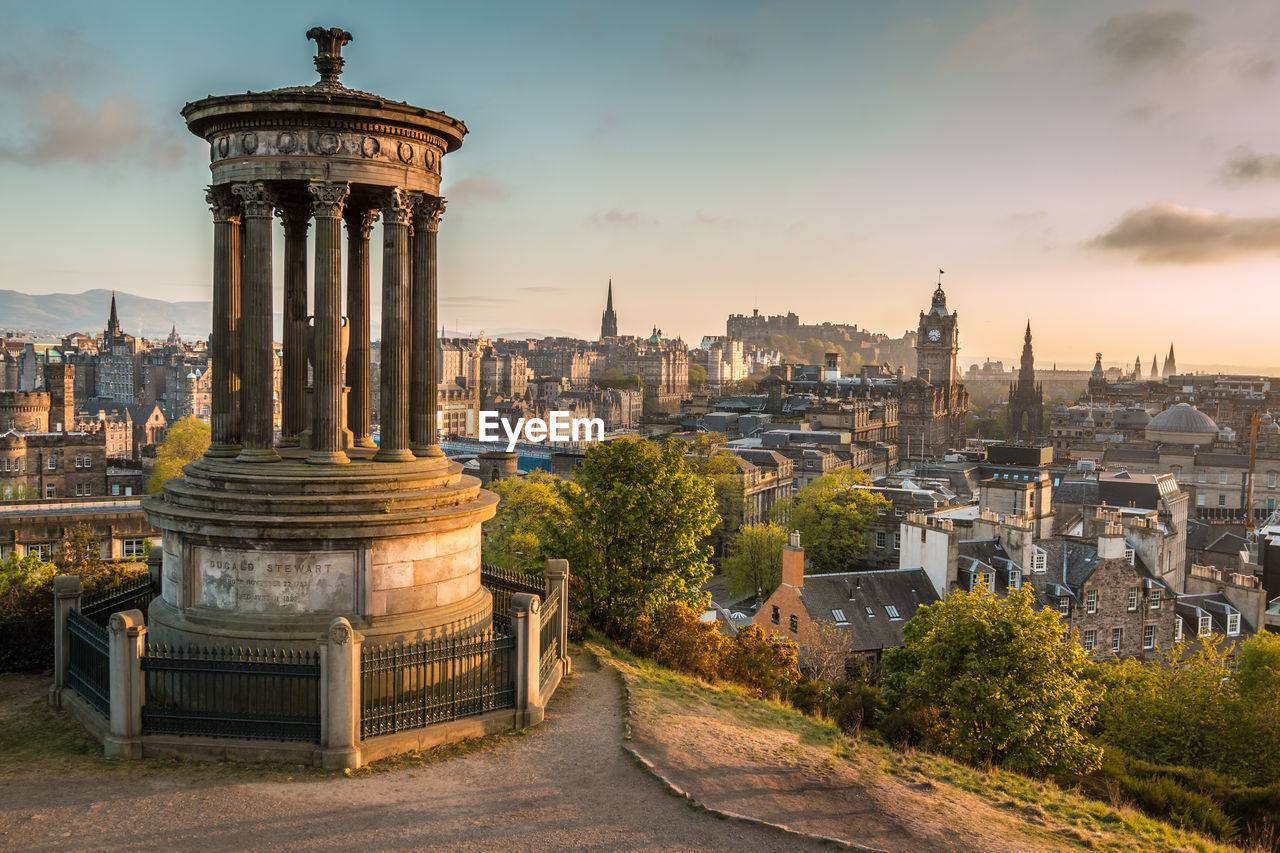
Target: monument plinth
270	536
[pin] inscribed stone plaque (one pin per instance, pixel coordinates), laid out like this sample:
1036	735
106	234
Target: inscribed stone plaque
276	581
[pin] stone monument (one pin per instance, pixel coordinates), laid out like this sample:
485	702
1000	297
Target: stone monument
268	538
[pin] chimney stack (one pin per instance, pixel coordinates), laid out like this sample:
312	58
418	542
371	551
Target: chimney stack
793	562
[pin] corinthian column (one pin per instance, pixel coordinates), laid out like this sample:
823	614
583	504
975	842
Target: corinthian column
359	224
293	379
397	209
326	426
225	343
423	358
257	400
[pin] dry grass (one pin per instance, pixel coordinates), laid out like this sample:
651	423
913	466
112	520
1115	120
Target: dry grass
929	799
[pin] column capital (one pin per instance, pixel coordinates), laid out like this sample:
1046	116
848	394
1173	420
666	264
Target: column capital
397	206
224	205
328	198
296	218
360	220
427	212
257	199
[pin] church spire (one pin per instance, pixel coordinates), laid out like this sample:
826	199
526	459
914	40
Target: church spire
609	321
1170	364
113	322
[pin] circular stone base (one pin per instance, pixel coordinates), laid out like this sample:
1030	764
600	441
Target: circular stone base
269	555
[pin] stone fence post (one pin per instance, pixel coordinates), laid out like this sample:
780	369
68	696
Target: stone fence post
525	608
340	696
127	639
66	597
557	574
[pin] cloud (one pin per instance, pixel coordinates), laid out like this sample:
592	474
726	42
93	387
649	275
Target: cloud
1172	234
476	188
709	47
1009	38
1144	112
63	129
1151	38
1260	69
52	125
621	218
1245	166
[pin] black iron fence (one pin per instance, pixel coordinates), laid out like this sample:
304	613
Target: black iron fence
125	595
549	636
88	664
411	685
243	693
502	584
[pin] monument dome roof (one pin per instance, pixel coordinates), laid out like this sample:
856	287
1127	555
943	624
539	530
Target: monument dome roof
1182	418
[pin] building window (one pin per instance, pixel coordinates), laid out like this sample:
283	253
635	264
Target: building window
132	548
1154	599
1222	478
1222	500
88	490
871	614
79	490
899	511
1038	560
880	539
1177	629
795	624
1206	625
1091	601
838	615
892	611
43	550
1015	579
1271	480
50	490
1233	624
1202	476
776	615
1199	500
115	488
1131	555
1134	593
1090	640
1117	634
53	463
897	541
1148	636
1064	605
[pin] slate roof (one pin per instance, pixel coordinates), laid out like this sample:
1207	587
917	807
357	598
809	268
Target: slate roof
864	598
1083	492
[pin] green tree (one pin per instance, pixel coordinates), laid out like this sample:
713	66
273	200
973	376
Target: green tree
184	442
755	559
709	459
697	375
512	538
633	534
989	428
831	513
991	681
80	552
615	378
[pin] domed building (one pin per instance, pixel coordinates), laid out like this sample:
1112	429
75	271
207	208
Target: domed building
1182	424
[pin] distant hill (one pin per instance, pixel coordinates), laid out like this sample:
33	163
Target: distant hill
63	313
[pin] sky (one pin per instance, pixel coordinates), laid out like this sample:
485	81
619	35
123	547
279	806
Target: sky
1109	171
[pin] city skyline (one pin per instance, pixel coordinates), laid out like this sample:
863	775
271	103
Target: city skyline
824	161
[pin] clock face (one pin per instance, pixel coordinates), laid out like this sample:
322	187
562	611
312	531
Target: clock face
935	335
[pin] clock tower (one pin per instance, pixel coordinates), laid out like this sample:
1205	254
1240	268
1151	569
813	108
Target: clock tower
938	342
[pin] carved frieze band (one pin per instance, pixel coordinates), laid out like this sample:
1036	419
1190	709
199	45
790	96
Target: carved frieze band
427	212
360	143
397	206
224	205
257	199
328	198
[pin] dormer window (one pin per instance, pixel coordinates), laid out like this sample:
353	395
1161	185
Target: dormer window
1130	555
1233	624
1015	579
1206	625
1155	599
1038	560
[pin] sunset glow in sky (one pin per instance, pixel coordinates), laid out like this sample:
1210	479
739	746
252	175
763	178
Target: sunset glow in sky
1109	170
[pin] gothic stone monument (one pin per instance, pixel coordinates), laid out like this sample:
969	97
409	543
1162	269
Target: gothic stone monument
267	539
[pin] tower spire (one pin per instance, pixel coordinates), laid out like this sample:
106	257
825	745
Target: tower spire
113	322
609	321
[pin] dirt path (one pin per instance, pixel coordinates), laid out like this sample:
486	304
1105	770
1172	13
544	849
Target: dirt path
565	785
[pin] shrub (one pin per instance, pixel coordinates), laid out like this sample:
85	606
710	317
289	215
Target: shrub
678	639
765	664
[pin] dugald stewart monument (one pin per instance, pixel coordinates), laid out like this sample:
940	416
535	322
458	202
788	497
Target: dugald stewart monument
266	541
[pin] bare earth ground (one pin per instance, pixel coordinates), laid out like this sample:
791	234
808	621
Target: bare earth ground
565	785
